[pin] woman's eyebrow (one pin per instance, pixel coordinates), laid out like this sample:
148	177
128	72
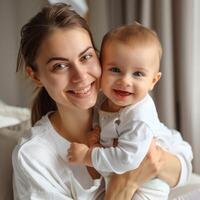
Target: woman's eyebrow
65	59
56	58
90	47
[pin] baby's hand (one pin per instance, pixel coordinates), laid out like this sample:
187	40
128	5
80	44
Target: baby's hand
77	153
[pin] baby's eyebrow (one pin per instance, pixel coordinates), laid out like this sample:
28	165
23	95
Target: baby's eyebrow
141	69
112	64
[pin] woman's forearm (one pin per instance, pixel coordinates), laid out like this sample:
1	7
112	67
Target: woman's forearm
121	187
125	185
158	163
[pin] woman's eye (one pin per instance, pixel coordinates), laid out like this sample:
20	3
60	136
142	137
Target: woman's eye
60	66
115	69
86	57
138	74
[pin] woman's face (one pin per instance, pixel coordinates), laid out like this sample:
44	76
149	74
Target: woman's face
69	69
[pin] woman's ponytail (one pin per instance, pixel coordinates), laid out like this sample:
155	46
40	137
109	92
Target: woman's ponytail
42	104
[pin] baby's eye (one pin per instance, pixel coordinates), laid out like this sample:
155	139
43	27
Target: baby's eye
115	69
138	74
60	66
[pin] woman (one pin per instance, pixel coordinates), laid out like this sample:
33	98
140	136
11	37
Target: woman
57	52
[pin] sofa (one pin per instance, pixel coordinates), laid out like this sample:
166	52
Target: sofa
14	122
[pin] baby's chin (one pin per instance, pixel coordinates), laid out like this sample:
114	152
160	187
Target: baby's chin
117	105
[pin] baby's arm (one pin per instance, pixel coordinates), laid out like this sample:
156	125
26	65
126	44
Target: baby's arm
132	147
80	153
93	137
133	144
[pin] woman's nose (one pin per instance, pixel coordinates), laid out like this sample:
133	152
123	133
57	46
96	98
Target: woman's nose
79	73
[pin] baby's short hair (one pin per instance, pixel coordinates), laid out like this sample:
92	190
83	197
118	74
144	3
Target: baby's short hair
136	34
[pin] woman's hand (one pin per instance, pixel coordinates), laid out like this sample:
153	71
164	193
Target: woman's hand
124	186
165	165
171	168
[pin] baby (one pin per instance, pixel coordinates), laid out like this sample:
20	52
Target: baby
130	58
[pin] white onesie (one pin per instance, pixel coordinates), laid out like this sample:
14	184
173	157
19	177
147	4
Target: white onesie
135	126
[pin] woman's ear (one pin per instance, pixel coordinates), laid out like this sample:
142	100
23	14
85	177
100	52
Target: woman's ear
155	80
33	76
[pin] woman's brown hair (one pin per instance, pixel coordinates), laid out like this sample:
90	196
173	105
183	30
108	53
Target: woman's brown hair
59	15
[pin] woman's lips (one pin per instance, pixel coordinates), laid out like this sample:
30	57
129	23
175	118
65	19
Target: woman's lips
82	92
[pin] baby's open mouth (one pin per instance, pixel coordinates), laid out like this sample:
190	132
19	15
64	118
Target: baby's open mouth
122	93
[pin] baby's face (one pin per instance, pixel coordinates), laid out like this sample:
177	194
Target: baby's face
129	73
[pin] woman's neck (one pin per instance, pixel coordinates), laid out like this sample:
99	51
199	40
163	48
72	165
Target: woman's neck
72	125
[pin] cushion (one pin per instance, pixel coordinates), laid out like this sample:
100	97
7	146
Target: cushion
11	115
190	191
15	121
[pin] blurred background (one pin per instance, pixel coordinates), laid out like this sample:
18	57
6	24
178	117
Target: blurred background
177	23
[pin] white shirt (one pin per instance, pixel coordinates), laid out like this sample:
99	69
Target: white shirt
41	169
135	126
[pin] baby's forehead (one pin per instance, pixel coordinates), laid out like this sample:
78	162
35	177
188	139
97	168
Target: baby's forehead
131	46
134	38
132	42
127	54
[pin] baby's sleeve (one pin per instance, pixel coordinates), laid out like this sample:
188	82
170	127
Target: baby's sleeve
133	144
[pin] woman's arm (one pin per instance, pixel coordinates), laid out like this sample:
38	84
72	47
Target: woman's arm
124	186
157	163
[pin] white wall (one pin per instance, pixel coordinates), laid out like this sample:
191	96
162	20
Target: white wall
8	82
13	14
98	19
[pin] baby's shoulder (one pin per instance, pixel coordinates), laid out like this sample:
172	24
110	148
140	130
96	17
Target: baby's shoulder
144	111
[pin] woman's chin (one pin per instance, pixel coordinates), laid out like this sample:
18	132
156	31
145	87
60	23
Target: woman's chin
84	100
85	104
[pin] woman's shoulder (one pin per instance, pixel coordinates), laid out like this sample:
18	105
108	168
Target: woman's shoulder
36	143
38	132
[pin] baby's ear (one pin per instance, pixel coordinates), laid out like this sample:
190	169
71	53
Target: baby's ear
156	78
33	75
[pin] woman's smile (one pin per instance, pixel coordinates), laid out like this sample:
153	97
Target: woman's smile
82	92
